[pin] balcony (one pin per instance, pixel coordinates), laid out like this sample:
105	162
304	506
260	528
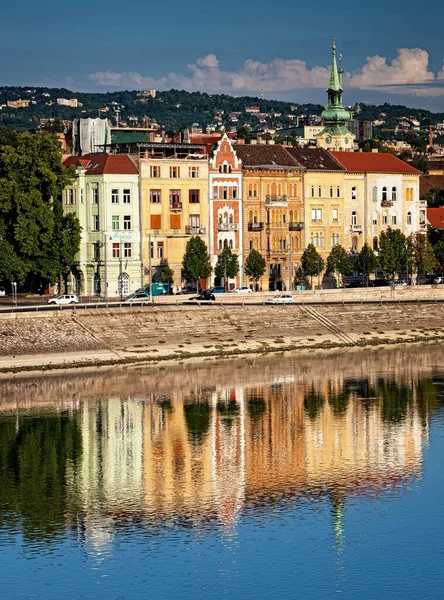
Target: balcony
227	226
255	226
386	203
295	226
175	206
283	199
356	228
194	230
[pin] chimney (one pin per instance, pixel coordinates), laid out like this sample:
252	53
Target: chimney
431	137
375	150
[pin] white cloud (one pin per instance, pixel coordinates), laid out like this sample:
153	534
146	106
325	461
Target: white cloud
408	72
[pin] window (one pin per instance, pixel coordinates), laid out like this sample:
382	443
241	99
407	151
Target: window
338	192
251	245
225	192
127	250
127	222
313	214
155	222
335	214
234	191
174	221
127	196
95	196
194	197
283	244
193	172
333	239
155	196
375	243
384	219
312	191
175	199
393	194
331	191
114	196
215	192
375	194
81	196
384	194
95	223
319	191
354	244
116	250
319	214
354	218
394	219
409	218
154	171
354	193
96	251
152	250
195	221
115	223
174	172
70	196
375	218
159	249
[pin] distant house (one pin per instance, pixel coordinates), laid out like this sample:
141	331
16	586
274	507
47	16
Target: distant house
18	103
252	110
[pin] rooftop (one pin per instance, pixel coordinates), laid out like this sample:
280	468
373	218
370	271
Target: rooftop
373	162
262	155
315	159
430	182
435	217
104	164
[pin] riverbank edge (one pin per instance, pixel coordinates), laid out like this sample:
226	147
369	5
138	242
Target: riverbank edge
94	363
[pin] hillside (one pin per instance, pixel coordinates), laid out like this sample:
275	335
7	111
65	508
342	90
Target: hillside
174	109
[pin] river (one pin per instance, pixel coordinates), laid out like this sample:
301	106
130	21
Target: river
289	476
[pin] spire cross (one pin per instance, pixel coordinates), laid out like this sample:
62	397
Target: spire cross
333	46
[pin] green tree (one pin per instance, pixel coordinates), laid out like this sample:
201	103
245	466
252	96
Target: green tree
438	249
393	252
37	241
424	259
227	265
338	262
255	265
196	261
312	262
366	262
163	272
421	163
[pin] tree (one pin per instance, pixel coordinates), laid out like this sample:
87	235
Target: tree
312	262
366	262
38	242
393	252
255	265
438	249
424	259
227	265
421	163
196	261
338	261
163	272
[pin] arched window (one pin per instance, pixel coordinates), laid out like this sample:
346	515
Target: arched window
384	218
284	217
354	193
384	194
316	239
375	218
394	218
333	239
354	218
225	243
295	244
231	220
220	244
229	168
321	239
251	244
409	218
291	216
255	217
354	244
337	239
220	218
231	244
375	243
375	194
250	190
250	216
393	194
225	217
221	169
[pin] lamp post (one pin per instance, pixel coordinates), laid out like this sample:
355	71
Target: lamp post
290	287
149	267
120	269
14	292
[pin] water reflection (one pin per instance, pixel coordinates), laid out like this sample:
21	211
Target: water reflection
205	455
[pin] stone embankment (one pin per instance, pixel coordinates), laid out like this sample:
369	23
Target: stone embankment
164	332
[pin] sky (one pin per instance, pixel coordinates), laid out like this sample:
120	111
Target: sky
393	50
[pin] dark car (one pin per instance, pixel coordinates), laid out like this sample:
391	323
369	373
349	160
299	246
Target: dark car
379	283
219	289
206	296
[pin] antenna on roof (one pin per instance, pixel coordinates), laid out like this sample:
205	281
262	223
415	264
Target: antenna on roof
341	70
262	94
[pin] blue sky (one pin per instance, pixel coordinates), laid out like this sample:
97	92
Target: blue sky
282	47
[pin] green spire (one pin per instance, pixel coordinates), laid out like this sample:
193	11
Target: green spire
335	85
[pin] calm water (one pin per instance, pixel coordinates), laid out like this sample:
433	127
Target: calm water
284	477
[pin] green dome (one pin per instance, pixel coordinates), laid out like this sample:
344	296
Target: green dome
336	115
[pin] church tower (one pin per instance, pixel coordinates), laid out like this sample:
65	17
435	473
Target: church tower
335	135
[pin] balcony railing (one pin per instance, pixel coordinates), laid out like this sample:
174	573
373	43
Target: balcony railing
194	230
227	226
175	206
255	226
295	226
283	199
387	203
356	228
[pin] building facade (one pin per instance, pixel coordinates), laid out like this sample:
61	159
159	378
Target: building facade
225	214
105	198
174	204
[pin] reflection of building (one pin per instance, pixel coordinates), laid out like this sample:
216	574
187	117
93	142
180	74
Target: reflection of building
105	198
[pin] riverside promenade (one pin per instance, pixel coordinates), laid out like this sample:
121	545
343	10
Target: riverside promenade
234	325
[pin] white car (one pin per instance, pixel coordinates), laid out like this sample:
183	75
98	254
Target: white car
281	299
64	299
2	291
243	289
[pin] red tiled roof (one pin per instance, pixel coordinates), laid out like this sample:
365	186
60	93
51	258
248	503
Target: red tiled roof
435	217
373	162
104	164
430	182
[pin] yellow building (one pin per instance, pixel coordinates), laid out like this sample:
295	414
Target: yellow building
174	200
323	194
273	211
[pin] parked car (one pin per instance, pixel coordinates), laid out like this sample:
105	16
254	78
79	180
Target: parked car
219	289
280	299
243	289
206	296
137	297
64	299
2	291
438	280
400	283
